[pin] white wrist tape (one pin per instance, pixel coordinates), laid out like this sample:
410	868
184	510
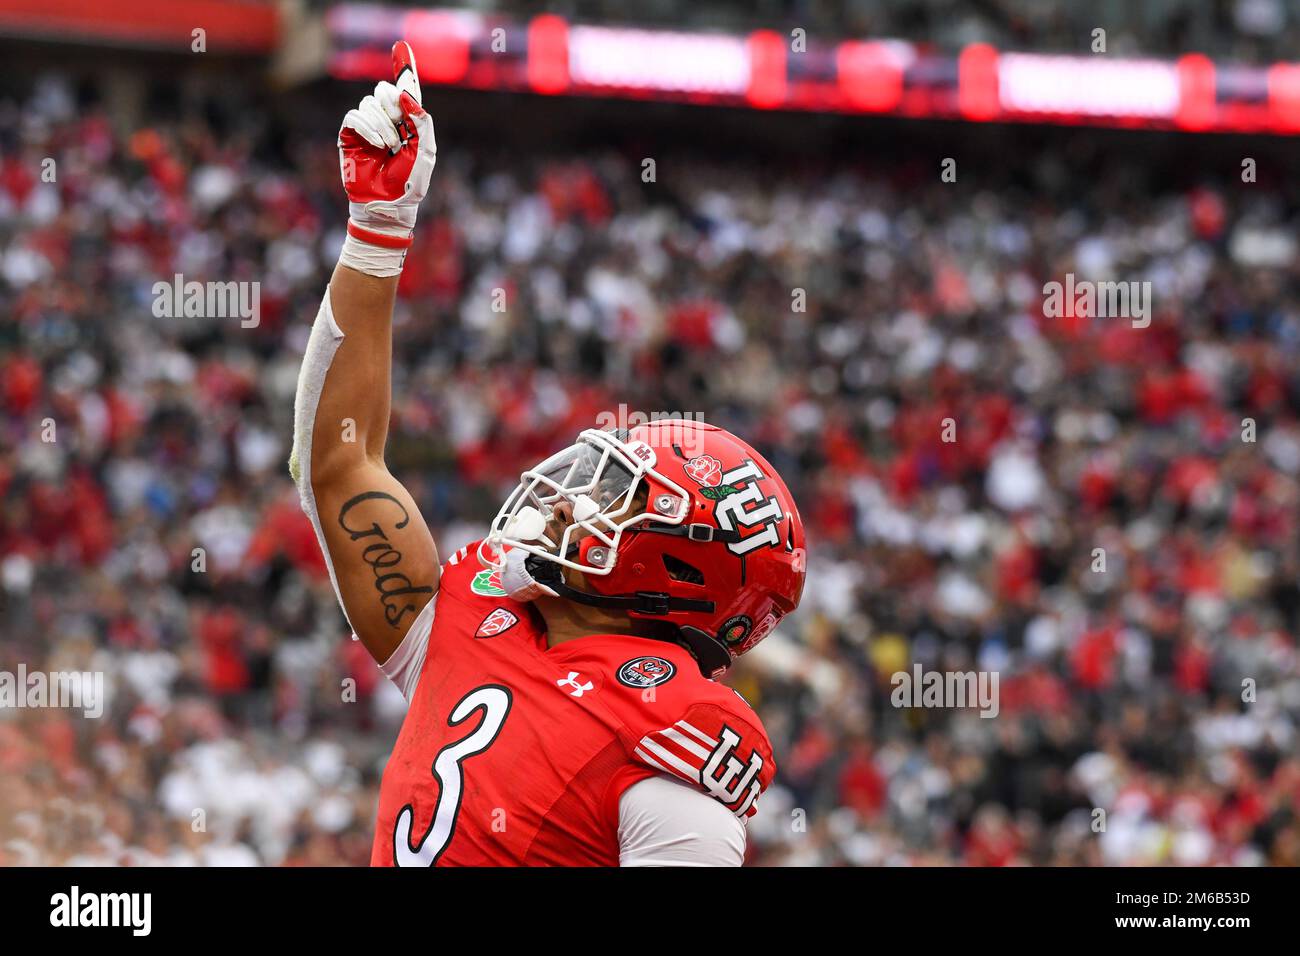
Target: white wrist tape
371	259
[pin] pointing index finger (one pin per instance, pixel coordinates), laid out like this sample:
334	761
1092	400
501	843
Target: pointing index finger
405	75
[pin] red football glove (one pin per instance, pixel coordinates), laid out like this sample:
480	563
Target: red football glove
386	156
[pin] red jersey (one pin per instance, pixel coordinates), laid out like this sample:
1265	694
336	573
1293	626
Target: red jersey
516	754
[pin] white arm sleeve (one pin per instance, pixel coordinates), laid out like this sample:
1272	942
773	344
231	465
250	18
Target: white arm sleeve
666	822
324	341
404	666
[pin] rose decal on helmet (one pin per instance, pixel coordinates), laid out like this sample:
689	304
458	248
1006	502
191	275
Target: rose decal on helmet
705	470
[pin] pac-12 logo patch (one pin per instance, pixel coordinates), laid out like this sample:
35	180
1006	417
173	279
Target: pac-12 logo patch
646	672
498	622
488	583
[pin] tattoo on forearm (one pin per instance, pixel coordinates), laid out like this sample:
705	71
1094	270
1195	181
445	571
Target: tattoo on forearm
393	586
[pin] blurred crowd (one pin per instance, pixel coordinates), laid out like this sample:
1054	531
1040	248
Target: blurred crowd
1112	527
1250	31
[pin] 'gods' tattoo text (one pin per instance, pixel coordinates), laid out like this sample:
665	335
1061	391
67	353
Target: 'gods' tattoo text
393	586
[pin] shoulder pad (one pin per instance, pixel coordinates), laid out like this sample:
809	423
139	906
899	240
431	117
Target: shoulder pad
712	739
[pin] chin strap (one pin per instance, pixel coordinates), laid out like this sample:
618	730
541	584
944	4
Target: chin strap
547	574
692	532
710	654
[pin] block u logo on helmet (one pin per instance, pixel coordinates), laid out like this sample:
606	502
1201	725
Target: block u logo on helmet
748	507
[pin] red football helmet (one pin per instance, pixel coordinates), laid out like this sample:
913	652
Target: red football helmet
674	521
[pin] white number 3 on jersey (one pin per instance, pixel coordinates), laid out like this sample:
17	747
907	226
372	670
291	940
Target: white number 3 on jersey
494	700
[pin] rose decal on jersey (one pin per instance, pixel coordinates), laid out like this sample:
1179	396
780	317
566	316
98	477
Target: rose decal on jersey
704	470
488	584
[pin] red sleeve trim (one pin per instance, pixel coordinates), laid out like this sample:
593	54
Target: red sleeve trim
378	238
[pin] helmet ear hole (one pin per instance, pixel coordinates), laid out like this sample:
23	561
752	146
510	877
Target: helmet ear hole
679	570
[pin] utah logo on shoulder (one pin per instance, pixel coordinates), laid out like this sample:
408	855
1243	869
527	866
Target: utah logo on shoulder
642	672
498	622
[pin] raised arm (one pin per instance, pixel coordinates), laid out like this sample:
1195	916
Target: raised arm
382	559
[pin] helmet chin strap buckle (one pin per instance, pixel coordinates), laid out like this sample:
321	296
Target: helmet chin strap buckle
652	602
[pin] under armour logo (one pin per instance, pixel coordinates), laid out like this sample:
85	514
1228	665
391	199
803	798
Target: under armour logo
572	681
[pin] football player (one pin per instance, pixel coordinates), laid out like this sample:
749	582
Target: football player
560	673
